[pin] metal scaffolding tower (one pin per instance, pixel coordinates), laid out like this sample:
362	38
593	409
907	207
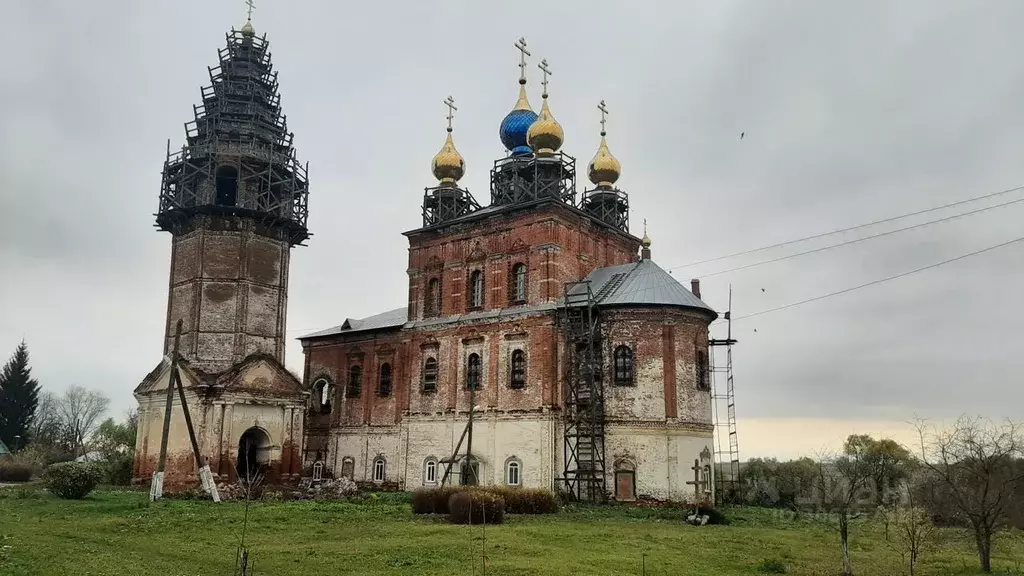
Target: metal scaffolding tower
727	451
583	476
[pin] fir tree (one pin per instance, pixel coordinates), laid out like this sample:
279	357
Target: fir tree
19	396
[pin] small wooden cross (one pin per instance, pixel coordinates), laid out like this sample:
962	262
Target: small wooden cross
697	482
251	5
521	45
547	72
645	226
604	112
450	103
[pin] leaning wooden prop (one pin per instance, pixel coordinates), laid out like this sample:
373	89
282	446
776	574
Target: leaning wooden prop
156	490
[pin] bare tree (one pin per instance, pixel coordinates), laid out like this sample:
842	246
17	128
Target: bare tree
841	487
909	531
45	426
80	411
976	462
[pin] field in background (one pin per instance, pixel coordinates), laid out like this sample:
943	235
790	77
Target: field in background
120	533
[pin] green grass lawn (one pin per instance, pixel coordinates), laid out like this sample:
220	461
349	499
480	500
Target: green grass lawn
120	533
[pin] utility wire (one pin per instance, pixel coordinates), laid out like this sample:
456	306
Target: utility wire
879	281
850	229
854	241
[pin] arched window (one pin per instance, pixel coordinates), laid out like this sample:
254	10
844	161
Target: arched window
355	382
623	366
348	467
379	469
517	376
513	470
322	392
476	289
430	471
433	298
430	375
384	382
518	292
703	374
473	372
227	186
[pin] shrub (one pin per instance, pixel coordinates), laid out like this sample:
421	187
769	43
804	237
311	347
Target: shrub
433	500
476	507
72	480
119	470
772	567
15	472
526	500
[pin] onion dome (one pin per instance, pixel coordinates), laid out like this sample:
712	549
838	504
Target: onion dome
448	165
646	240
517	123
604	169
247	30
545	134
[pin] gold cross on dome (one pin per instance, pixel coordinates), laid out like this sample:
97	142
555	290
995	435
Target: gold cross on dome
251	5
521	45
547	72
604	112
450	103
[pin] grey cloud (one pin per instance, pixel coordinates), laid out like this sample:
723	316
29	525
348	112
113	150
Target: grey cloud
852	112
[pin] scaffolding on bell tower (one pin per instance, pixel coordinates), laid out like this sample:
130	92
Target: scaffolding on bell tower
723	405
584	474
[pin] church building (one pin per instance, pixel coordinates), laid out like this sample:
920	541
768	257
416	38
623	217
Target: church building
540	345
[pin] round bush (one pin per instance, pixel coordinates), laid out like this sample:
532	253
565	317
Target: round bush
14	472
476	507
72	480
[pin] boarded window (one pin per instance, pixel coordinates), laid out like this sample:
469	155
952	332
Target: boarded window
703	372
430	375
476	289
518	291
623	366
384	381
517	378
433	298
355	382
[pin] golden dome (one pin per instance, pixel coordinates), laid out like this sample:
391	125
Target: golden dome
448	165
646	240
248	31
545	135
604	169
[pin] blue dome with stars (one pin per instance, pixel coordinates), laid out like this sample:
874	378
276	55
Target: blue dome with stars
517	123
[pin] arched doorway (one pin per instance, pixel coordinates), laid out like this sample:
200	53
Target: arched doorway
253	453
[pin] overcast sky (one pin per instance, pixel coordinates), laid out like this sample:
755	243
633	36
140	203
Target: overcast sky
853	111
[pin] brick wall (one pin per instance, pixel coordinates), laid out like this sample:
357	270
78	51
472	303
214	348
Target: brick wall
229	287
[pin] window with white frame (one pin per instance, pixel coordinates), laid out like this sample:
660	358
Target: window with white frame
430	471
379	469
513	472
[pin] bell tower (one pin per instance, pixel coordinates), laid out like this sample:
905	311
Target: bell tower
234	199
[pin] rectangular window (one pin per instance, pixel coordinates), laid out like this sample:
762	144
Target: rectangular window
355	382
430	375
517	377
473	372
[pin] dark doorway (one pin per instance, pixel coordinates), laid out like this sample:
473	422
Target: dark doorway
227	186
469	473
253	454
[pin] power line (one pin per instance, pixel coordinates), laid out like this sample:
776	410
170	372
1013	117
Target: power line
854	241
850	229
879	281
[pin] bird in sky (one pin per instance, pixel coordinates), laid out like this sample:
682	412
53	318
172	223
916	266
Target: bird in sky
741	135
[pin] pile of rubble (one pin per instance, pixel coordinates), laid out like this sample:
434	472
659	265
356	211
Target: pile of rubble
340	489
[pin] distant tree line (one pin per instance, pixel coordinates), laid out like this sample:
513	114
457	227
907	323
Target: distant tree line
969	475
42	427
